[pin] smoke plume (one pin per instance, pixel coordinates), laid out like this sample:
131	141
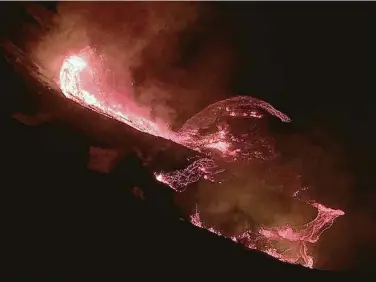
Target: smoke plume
171	59
166	53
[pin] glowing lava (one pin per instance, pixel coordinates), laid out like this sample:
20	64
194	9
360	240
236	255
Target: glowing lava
77	77
180	179
79	82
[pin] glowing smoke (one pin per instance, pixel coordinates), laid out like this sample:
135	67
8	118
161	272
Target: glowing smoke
134	92
143	45
74	85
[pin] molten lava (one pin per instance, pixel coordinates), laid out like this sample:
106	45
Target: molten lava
80	81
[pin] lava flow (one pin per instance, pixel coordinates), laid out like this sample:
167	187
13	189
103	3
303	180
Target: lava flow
80	81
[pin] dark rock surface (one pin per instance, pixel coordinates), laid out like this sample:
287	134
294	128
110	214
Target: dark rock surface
62	221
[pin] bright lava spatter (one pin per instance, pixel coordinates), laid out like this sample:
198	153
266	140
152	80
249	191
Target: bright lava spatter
79	82
180	179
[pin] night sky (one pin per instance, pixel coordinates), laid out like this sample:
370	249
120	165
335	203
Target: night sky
315	62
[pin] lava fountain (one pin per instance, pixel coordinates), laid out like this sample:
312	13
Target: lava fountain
82	80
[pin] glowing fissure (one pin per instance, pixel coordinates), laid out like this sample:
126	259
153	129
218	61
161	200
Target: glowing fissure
78	83
180	179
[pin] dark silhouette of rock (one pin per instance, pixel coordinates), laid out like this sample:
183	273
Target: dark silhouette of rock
63	221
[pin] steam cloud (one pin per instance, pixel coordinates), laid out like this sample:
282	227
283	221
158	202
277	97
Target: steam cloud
155	47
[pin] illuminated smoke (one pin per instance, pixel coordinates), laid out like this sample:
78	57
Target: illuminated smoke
141	51
78	82
144	45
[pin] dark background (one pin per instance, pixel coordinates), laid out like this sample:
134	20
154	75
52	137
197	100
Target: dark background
313	61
